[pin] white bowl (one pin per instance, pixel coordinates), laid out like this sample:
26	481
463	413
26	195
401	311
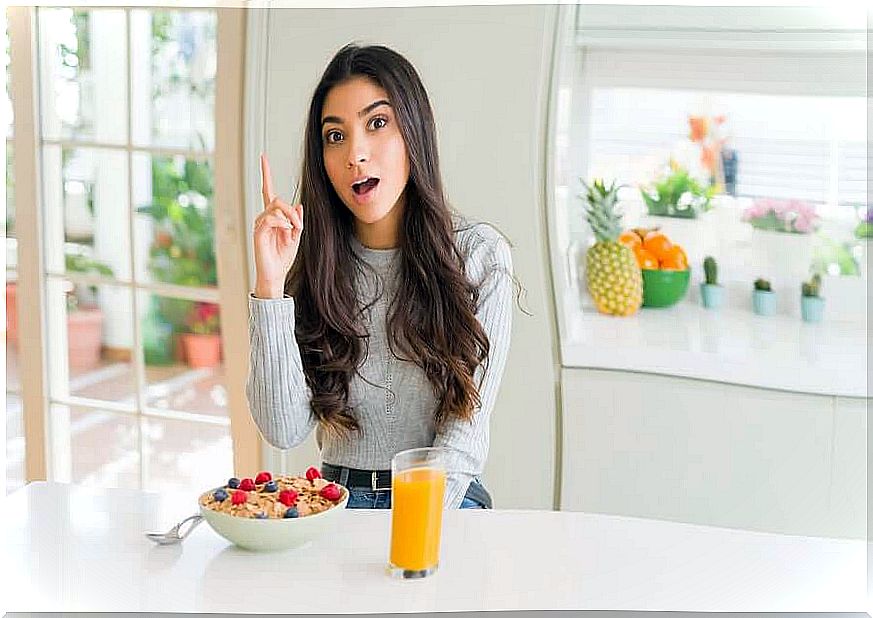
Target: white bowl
274	534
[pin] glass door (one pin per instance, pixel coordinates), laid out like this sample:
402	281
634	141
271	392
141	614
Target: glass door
136	381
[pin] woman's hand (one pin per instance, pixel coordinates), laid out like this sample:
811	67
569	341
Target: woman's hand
277	232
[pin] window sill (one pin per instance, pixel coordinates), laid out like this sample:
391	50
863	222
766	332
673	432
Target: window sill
730	345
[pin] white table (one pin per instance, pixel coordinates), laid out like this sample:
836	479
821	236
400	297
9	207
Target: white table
75	548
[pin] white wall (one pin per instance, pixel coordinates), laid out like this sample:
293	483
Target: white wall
486	70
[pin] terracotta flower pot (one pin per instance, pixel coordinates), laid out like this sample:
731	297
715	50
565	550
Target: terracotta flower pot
11	314
202	350
84	338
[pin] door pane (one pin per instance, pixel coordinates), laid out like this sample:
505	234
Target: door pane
8	120
95	325
7	59
10	199
173	57
14	443
83	74
181	455
182	351
85	196
95	447
175	220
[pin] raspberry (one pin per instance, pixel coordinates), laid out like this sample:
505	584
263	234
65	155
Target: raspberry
247	485
288	497
331	492
239	497
263	477
312	474
233	483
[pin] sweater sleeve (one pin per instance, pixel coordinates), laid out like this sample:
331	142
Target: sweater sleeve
468	441
278	396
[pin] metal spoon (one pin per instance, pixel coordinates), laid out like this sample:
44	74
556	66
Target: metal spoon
172	536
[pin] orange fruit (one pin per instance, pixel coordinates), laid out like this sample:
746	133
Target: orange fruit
674	259
630	239
657	244
645	259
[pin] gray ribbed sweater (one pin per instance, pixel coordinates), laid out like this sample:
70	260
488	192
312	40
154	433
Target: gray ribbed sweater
392	399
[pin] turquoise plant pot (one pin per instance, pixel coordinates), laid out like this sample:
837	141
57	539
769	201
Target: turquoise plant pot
812	308
712	295
764	302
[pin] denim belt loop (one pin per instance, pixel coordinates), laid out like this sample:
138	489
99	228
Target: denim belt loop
344	477
374	483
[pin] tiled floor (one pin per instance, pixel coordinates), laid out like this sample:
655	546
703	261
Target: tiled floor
107	448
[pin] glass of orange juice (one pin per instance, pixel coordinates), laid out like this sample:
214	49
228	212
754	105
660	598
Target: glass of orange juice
418	483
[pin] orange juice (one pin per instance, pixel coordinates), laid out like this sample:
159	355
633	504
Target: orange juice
417	515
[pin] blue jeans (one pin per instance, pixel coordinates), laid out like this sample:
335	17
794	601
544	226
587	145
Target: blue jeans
365	498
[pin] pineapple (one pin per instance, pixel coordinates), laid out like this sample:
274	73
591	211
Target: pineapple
611	270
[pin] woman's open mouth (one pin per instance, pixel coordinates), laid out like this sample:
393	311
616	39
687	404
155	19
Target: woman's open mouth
365	189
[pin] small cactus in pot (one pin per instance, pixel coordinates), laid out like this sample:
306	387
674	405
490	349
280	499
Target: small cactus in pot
710	291
811	302
763	298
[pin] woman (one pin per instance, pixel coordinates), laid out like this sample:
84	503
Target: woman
385	324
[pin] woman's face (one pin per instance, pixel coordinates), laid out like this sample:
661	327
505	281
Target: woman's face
361	139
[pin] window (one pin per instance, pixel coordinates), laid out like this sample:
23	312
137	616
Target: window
136	391
791	84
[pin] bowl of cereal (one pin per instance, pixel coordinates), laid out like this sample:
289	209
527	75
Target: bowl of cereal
274	514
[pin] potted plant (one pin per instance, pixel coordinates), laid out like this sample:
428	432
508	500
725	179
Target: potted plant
864	229
12	312
710	290
84	315
182	249
811	304
763	298
677	195
203	343
790	216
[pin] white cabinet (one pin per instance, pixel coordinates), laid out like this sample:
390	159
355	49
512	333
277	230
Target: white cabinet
712	453
848	495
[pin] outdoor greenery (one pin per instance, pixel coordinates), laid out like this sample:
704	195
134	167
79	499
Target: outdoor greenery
81	263
834	257
182	251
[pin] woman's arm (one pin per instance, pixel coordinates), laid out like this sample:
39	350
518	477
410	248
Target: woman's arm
469	440
276	388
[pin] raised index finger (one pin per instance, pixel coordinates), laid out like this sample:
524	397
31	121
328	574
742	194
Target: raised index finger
266	181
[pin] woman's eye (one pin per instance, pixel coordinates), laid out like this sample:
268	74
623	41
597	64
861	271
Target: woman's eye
384	122
328	135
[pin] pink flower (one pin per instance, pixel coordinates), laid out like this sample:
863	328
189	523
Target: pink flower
803	225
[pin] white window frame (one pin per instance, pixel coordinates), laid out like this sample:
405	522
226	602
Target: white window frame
231	231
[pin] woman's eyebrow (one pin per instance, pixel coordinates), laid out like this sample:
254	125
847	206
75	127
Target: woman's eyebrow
361	114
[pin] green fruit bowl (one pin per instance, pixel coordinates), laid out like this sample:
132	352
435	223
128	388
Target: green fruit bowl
664	288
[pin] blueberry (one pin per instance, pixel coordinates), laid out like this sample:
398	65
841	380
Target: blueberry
261	516
220	495
291	513
233	483
271	486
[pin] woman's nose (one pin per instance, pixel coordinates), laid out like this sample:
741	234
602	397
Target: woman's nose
358	152
356	158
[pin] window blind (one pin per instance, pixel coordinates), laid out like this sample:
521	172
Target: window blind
795	105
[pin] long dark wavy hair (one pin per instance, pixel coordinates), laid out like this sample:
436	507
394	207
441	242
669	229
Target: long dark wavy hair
435	326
